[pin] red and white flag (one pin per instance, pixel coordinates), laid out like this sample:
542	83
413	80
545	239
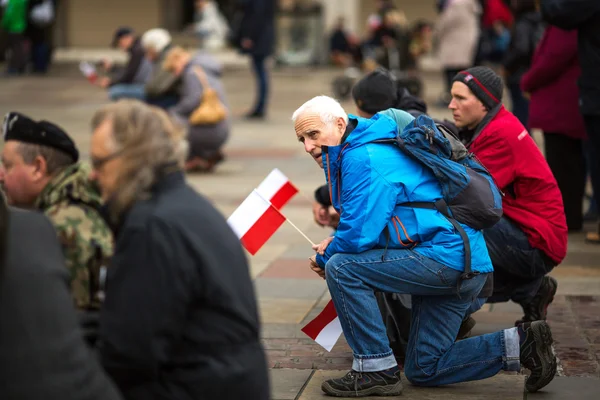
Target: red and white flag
255	221
325	329
277	188
88	71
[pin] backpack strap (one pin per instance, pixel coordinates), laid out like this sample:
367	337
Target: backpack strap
441	206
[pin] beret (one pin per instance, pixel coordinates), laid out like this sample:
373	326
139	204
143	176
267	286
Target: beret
20	128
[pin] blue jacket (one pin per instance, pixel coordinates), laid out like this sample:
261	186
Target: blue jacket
368	180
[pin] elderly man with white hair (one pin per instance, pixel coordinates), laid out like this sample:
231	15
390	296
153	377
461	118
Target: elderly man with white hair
162	87
384	244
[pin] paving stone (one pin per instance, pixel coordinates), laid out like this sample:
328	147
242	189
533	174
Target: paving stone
562	388
499	387
284	311
290	288
286	383
506	307
272	331
290	269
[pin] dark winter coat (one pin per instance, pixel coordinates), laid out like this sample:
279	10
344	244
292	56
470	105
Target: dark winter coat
583	15
180	319
42	352
552	83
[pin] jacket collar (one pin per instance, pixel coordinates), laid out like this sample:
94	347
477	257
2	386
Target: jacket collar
468	136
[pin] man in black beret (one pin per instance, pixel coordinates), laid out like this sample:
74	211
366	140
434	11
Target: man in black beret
40	170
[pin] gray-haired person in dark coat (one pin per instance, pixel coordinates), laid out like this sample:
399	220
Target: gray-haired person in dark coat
205	141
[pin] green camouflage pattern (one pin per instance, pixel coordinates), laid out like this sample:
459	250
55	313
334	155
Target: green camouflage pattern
72	202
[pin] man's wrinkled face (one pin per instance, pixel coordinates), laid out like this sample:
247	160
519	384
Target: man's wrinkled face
106	161
21	182
467	110
311	131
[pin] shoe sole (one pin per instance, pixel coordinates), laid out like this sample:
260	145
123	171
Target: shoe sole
543	339
389	390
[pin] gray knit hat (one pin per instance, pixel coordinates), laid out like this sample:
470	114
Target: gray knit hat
485	84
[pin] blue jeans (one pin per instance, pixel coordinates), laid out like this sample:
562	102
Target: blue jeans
433	356
262	79
137	91
518	267
127	91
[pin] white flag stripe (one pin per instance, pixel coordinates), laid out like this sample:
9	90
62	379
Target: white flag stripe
330	334
272	183
246	215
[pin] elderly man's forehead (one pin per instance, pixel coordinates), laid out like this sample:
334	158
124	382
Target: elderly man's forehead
308	121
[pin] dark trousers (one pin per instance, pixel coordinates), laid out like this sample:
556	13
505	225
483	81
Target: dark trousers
592	126
40	56
518	267
566	160
262	80
520	105
18	55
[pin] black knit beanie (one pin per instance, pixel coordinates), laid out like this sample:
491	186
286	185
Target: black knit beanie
485	84
375	92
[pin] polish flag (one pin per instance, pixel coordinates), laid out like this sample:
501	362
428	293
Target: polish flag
326	328
277	188
255	221
88	71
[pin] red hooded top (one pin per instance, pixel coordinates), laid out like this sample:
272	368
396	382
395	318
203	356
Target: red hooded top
532	198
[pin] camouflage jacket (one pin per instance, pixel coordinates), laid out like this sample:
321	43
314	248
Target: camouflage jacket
72	202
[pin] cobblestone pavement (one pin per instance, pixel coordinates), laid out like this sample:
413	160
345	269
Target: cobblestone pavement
289	293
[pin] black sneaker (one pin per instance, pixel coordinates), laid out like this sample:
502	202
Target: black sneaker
537	309
362	384
536	354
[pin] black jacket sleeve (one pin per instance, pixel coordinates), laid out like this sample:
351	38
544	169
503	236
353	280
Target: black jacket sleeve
128	74
142	286
569	14
322	195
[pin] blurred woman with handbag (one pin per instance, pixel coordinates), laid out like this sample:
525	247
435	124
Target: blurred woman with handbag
202	107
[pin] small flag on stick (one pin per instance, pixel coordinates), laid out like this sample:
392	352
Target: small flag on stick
255	221
277	188
88	71
325	329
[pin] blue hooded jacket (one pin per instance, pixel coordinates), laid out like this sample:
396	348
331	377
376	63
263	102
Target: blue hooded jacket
368	180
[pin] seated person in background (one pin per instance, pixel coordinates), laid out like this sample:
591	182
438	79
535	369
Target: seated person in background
196	71
138	67
384	245
531	238
40	170
340	48
162	87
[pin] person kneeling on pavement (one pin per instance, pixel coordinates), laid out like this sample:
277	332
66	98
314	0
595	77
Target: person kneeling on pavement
531	238
201	84
382	245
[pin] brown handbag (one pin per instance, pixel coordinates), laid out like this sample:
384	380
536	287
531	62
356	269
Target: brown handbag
211	110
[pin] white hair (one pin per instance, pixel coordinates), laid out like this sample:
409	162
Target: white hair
327	108
156	39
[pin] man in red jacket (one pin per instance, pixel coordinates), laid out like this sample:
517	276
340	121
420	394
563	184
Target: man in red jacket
531	238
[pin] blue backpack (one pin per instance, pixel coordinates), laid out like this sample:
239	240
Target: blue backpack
470	195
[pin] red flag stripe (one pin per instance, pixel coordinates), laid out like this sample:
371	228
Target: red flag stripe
262	230
314	327
283	195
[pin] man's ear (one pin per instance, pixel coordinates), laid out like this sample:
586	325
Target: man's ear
341	125
40	168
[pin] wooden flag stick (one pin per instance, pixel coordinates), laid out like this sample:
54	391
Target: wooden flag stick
299	231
